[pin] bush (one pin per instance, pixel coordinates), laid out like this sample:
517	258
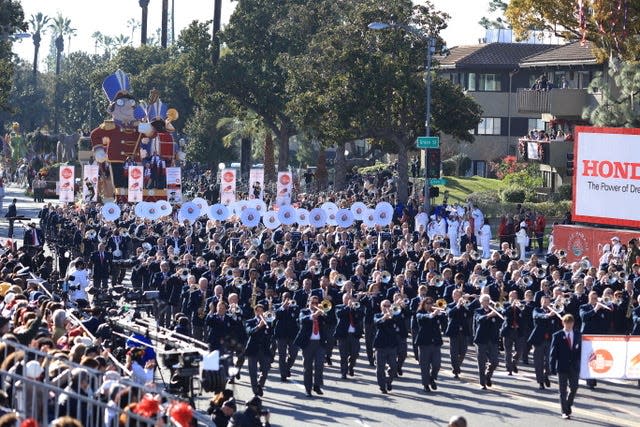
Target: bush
564	192
373	169
514	194
449	167
484	199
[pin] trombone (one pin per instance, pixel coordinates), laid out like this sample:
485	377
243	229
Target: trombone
396	309
494	307
441	304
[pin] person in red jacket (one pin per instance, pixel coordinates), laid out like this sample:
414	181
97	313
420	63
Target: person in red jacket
538	229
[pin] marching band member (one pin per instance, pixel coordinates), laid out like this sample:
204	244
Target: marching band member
512	332
259	332
429	342
349	330
546	323
285	331
486	340
458	331
385	344
595	320
312	339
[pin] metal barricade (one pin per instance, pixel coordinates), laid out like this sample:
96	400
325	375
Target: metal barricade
75	392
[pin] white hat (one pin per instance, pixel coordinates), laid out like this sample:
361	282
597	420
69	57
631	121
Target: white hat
86	341
523	224
616	238
33	369
10	296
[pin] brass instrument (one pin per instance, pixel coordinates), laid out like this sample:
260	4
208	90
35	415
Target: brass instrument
326	305
184	275
439	281
286	251
355	305
269	316
558	306
316	269
228	272
239	281
251	253
254	294
441	303
292	303
385	276
475	255
396	309
606	300
90	234
497	305
622	276
217	249
235	310
562	253
612	279
585	264
494	307
442	252
201	310
340	280
527	280
329	250
629	308
541	273
481	281
406	302
279	272
517	304
293	286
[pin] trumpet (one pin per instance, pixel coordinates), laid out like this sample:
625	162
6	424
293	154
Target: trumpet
293	286
292	303
340	280
562	253
442	252
355	305
316	269
184	275
90	234
329	250
396	309
326	305
622	276
517	304
385	276
239	281
527	281
251	253
286	251
558	306
541	273
217	249
279	272
235	310
441	304
269	316
439	281
475	255
481	281
406	302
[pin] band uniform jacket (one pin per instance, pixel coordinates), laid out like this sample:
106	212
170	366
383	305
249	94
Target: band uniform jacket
458	320
344	314
562	358
487	328
544	325
512	317
594	322
101	265
429	328
29	237
217	329
259	337
635	316
387	331
306	327
286	322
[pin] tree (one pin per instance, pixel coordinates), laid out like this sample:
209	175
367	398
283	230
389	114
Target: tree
611	26
61	27
354	83
121	41
498	22
11	22
620	106
38	24
133	24
144	6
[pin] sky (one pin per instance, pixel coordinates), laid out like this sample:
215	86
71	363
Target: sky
110	18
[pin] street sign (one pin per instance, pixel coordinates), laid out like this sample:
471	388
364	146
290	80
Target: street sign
437	181
428	142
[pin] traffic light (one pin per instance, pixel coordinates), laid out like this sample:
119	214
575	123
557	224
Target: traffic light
433	163
434	192
569	164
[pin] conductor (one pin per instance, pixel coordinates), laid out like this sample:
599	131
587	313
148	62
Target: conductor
564	358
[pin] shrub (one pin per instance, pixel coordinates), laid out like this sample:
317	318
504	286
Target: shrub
374	168
514	194
564	192
484	199
506	166
449	167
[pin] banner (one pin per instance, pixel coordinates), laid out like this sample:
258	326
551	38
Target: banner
174	184
284	188
90	183
606	179
533	152
580	241
256	184
136	184
67	178
228	186
610	356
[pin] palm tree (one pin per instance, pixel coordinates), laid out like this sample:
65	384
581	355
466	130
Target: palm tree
121	41
133	24
165	14
144	5
38	24
61	27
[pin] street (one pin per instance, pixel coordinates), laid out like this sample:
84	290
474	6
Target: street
25	207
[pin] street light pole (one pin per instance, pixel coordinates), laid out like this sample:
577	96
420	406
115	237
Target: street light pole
427	119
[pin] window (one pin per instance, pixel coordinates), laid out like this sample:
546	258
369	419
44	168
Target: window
489	126
583	79
489	82
536	124
472	82
480	168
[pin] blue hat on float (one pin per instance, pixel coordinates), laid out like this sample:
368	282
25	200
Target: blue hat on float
117	86
157	111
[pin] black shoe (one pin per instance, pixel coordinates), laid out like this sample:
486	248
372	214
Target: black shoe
541	387
383	390
427	389
515	369
308	393
344	376
351	372
238	376
284	379
389	387
260	391
433	385
510	373
328	361
373	364
232	380
484	387
399	372
288	374
489	383
318	391
456	376
547	383
525	361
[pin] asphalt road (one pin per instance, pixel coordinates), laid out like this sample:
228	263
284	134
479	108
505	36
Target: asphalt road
25	207
512	401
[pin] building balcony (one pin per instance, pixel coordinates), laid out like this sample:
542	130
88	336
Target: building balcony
557	102
552	153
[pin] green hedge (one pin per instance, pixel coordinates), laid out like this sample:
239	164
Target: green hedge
514	194
374	168
492	206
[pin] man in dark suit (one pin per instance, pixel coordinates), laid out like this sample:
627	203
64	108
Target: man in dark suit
487	323
285	332
385	344
258	347
564	358
349	330
101	262
457	331
545	323
12	212
312	339
33	239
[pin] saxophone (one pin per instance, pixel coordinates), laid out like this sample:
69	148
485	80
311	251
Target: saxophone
201	311
254	294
